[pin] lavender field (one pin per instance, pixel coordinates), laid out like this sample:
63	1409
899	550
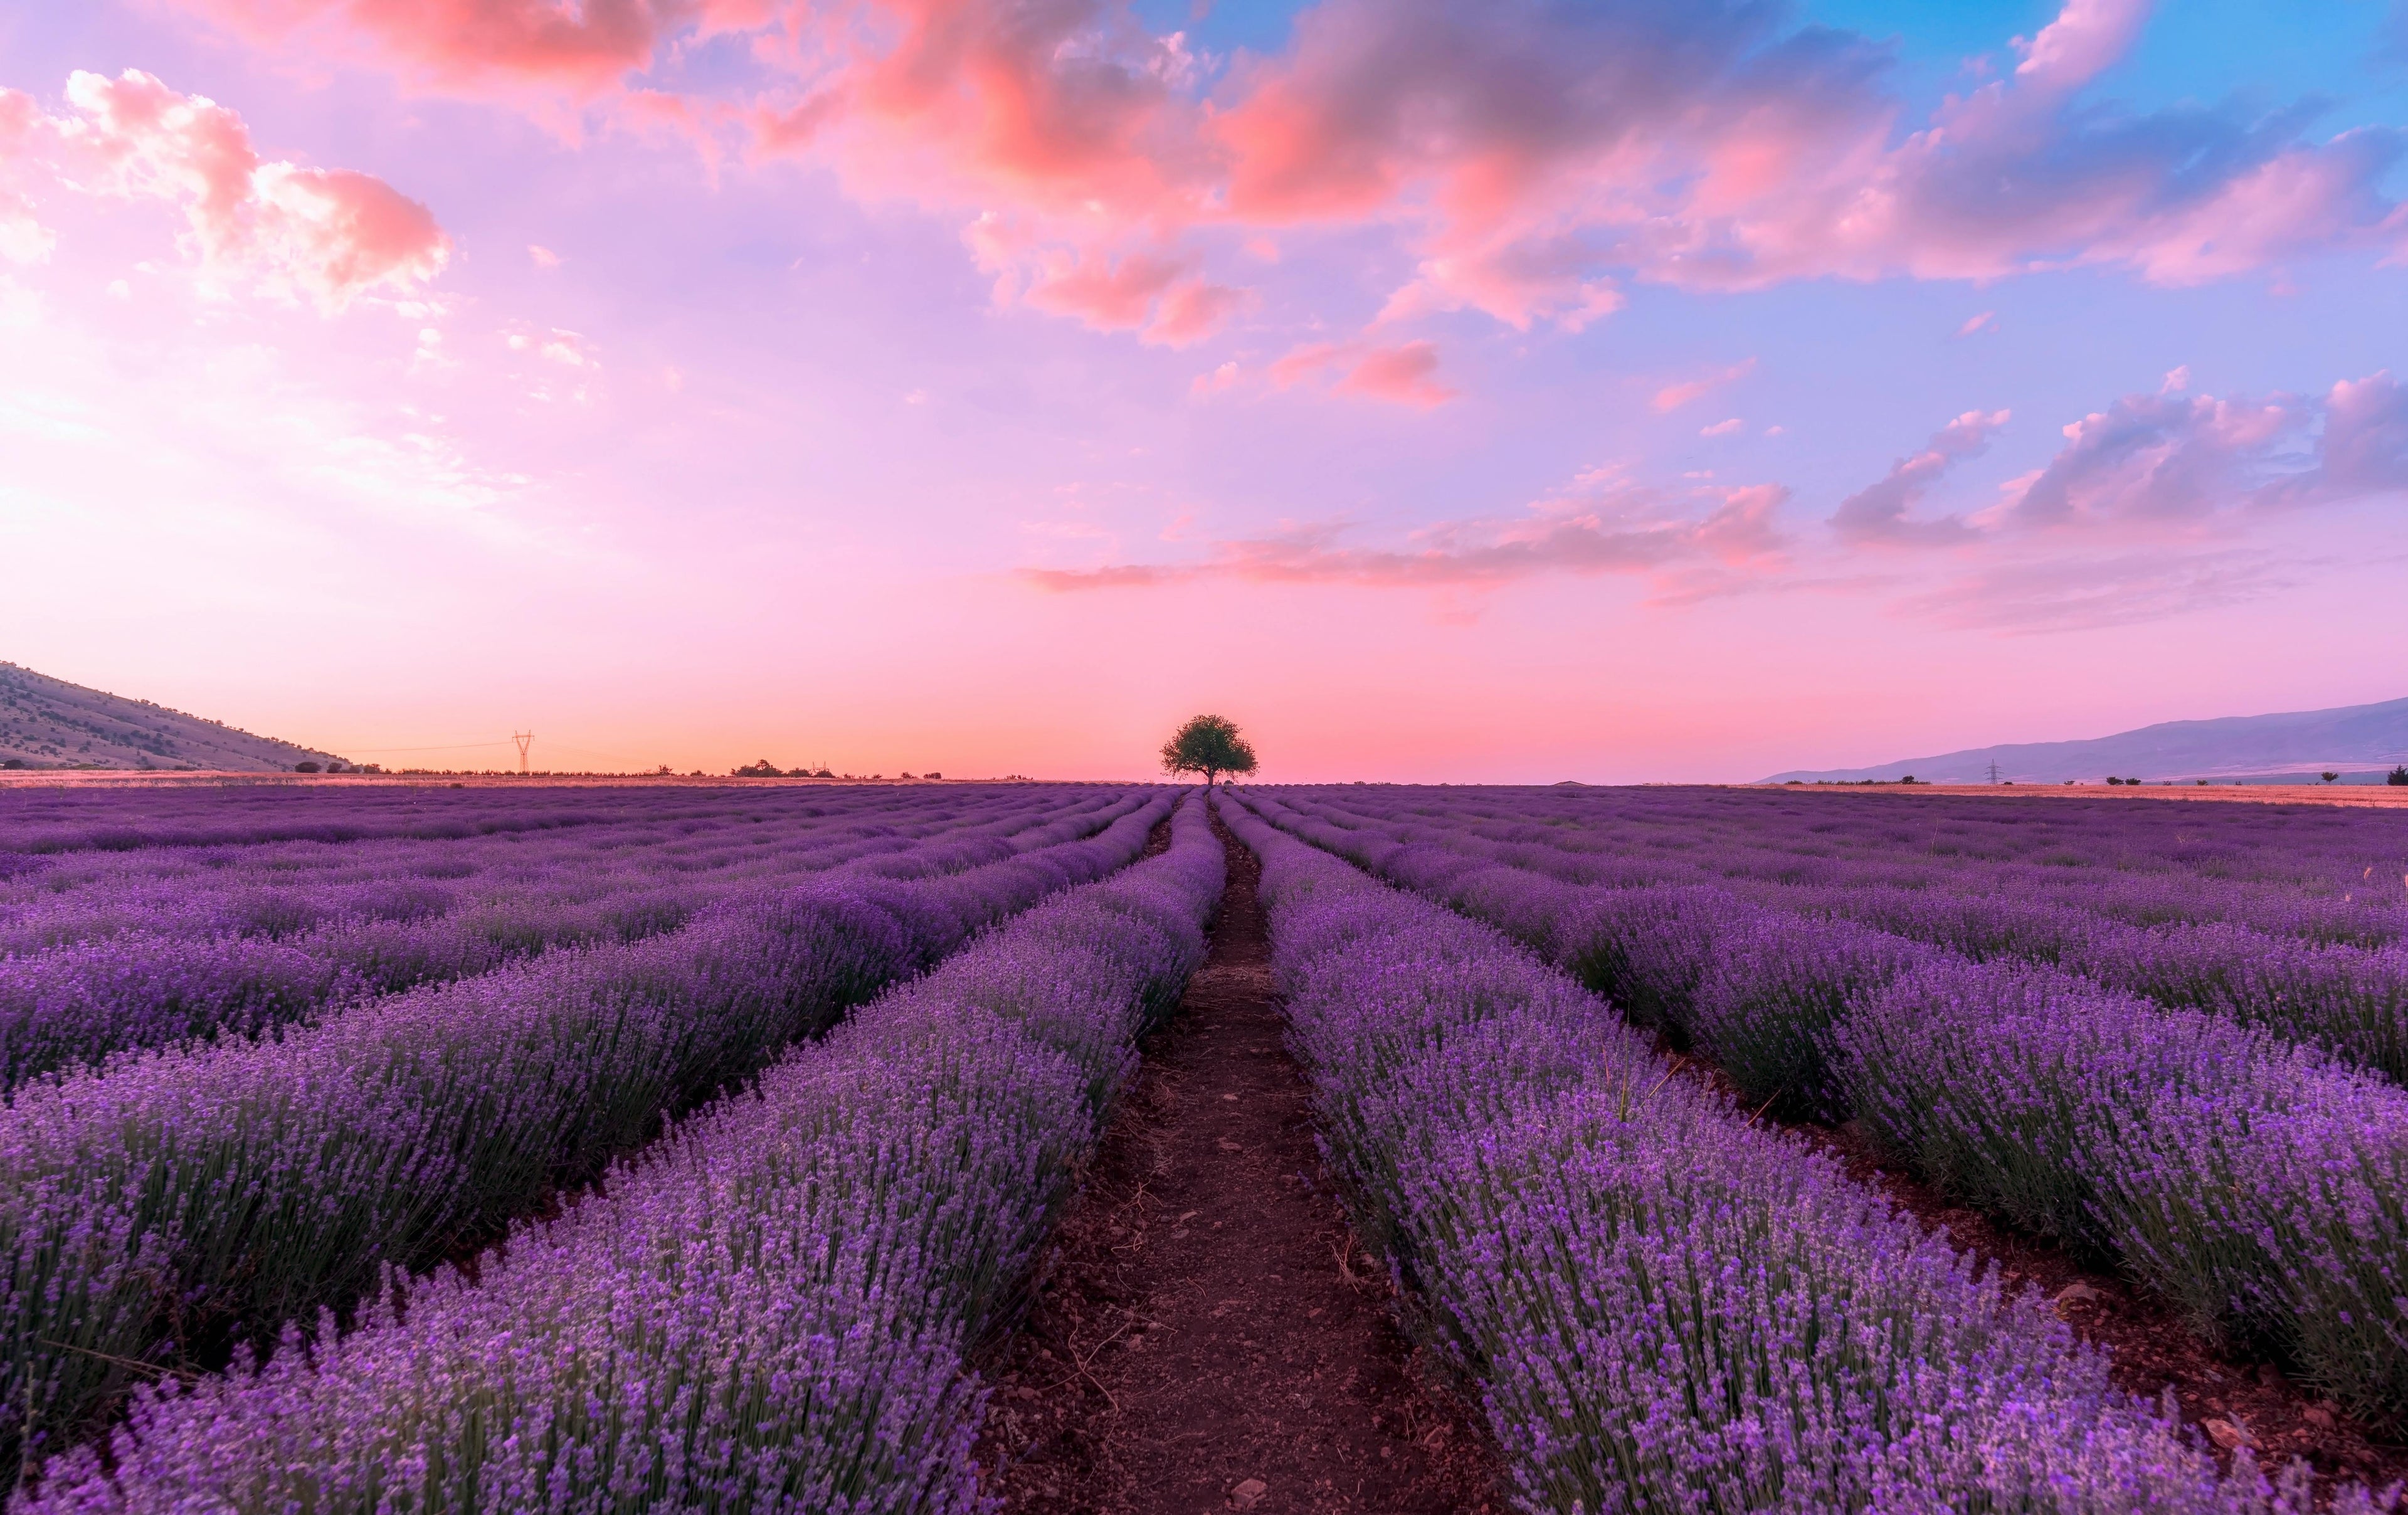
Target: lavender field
693	1148
271	1061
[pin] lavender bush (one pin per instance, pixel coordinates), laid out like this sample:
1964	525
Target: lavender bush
2256	1183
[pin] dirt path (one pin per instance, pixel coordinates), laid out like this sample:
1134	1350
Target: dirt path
1209	1336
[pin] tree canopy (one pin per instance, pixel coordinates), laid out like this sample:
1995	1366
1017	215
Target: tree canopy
1209	745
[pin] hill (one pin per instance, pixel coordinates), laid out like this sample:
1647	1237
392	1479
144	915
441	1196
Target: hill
47	723
2359	741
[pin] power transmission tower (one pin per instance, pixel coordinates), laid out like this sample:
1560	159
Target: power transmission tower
522	738
1994	770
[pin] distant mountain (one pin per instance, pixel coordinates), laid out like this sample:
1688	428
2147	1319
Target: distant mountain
47	723
2359	741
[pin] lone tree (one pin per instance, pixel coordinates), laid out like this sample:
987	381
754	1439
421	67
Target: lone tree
1209	745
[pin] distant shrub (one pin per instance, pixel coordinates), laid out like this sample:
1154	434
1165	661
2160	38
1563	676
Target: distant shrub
305	767
760	769
2398	775
932	774
19	763
2112	780
2330	777
1907	780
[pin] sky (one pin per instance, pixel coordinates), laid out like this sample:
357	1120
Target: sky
1500	390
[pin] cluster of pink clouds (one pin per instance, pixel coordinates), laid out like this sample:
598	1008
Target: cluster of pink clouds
2149	473
1523	160
328	232
1602	523
1529	159
2151	465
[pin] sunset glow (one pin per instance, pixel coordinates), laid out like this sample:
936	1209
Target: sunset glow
1654	388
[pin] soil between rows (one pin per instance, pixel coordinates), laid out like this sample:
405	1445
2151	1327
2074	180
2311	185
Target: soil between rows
1207	1334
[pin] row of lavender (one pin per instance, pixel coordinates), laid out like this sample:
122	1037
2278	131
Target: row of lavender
177	1200
2260	1184
2352	1000
282	888
249	943
513	888
2319	872
44	821
768	1312
1664	1306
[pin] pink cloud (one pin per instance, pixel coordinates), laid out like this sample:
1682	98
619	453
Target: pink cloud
1974	326
329	233
1723	428
1306	361
1193	310
1694	146
1607	526
23	239
1407	375
1067	108
2164	458
1155	296
543	257
464	44
2086	38
2173	462
1532	158
1219	380
1878	513
1673	396
2363	449
1110	296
